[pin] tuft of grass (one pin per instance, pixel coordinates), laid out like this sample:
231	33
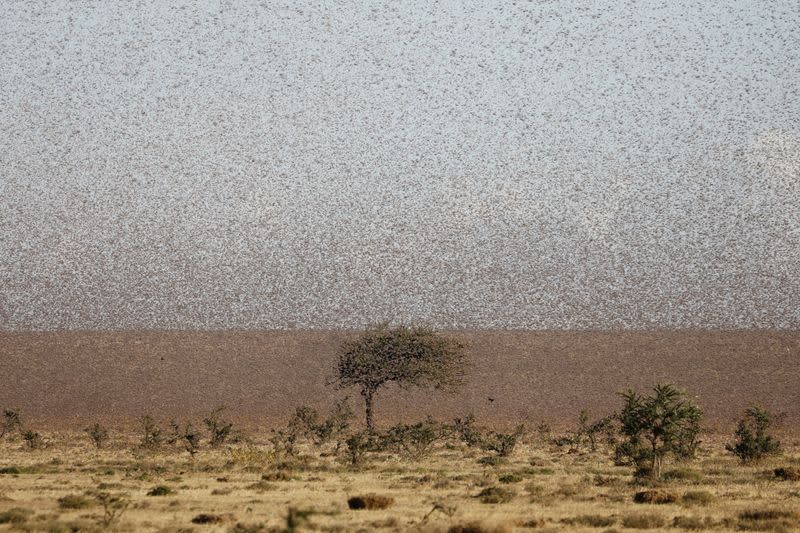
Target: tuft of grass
643	521
74	501
683	474
160	490
510	478
478	527
495	495
698	497
261	486
9	470
590	520
768	520
370	502
655	496
278	475
15	515
492	460
693	523
207	518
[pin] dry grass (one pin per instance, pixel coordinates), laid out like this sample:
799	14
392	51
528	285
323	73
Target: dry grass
540	487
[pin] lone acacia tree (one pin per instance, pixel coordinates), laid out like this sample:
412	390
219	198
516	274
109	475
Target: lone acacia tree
406	355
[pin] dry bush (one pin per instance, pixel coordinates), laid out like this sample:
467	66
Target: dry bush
467	431
74	501
98	434
495	495
218	428
588	434
308	423
187	435
207	518
370	502
12	421
114	506
33	440
655	496
160	490
787	473
503	444
152	435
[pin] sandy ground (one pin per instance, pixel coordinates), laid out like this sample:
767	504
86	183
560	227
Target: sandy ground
68	378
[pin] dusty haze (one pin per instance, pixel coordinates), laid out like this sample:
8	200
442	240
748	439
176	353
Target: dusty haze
69	378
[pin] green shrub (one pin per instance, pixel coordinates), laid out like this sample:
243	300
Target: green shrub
510	478
655	427
414	441
753	441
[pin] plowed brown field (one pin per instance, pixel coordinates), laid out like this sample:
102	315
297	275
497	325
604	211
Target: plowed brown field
69	377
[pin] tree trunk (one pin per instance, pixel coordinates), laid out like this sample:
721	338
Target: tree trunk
368	394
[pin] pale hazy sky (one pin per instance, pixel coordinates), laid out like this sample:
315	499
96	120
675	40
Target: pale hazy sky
529	164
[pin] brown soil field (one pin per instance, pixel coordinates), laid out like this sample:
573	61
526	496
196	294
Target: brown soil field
65	378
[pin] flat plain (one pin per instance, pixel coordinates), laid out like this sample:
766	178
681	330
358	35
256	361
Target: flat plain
243	486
